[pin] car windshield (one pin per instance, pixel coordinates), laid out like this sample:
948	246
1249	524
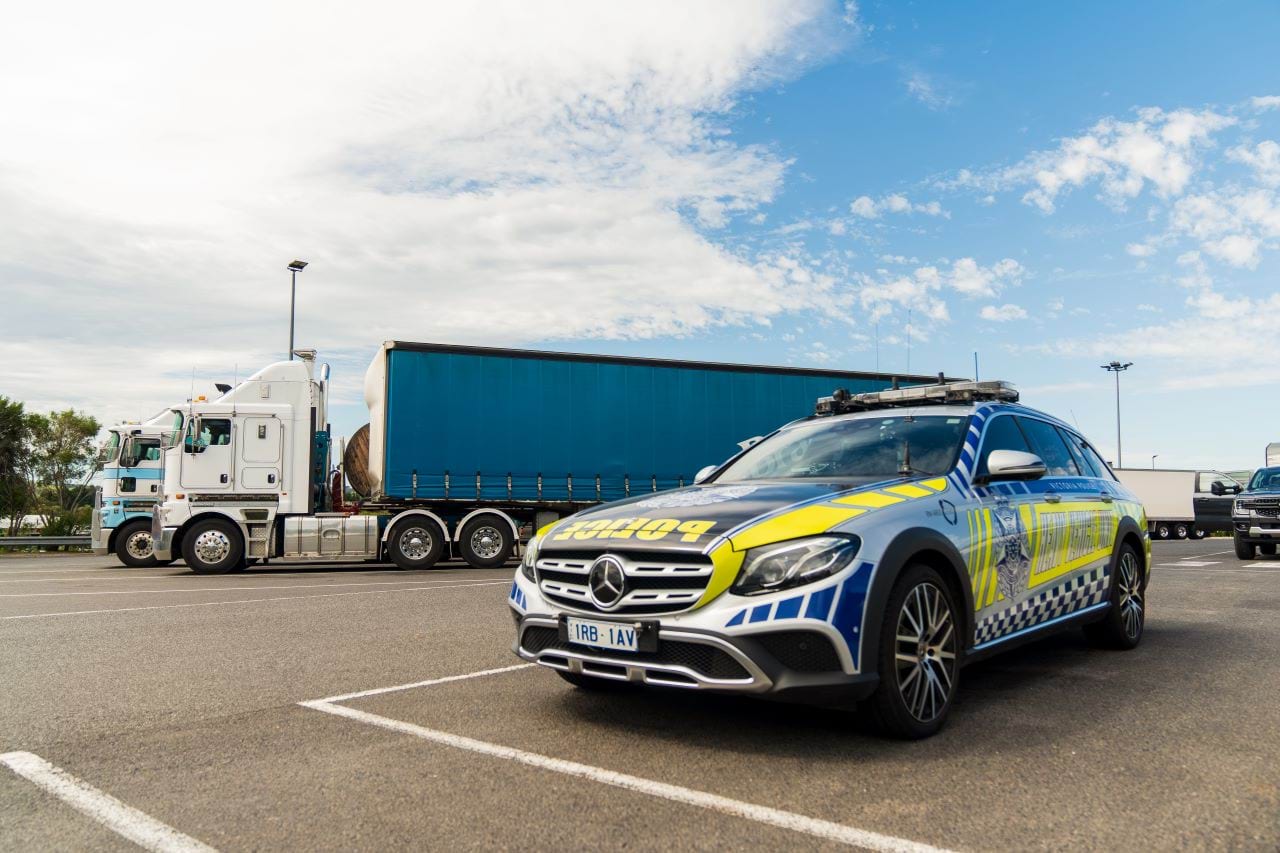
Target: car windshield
1265	478
855	448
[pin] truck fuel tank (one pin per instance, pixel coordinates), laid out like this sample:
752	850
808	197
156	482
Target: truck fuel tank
331	535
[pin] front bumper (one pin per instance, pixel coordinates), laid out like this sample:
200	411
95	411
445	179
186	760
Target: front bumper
1256	532
691	659
162	539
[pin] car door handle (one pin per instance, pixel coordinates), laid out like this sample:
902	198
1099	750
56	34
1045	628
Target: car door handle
1053	497
1107	499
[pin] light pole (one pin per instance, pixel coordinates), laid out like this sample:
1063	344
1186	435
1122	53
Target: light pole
1153	461
1117	368
294	268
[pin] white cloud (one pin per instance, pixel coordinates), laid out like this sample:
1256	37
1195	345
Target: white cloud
498	173
869	208
1140	250
926	89
923	290
1229	224
1263	158
1265	102
1003	313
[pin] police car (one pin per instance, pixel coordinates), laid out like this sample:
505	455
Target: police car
864	554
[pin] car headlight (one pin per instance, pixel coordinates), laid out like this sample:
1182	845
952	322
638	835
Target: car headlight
530	558
800	561
1241	508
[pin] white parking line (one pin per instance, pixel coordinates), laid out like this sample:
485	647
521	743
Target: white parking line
440	583
1191	570
138	827
246	601
1192	564
824	829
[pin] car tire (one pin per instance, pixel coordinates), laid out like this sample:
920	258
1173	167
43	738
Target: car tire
486	542
1245	550
134	546
213	547
1161	531
1126	620
1181	531
918	677
415	543
595	685
1267	550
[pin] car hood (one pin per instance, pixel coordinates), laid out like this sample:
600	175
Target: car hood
1260	493
687	519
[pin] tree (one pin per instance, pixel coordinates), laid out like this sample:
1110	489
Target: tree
15	454
63	454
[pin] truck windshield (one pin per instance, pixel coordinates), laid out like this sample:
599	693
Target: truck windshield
113	447
1265	478
856	448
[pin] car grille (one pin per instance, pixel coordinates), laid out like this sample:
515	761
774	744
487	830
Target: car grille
802	651
652	586
705	660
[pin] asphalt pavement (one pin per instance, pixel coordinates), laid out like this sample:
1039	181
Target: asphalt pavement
254	711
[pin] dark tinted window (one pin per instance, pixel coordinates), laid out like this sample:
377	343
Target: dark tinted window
1091	457
1002	433
1077	454
1050	447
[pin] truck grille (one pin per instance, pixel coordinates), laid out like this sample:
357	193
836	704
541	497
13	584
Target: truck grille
652	585
1264	507
705	660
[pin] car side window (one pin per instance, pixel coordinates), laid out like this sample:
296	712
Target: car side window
1094	460
1002	433
1050	447
1208	478
1077	453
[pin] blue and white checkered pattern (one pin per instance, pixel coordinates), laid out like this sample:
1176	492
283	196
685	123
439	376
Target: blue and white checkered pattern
1079	592
518	597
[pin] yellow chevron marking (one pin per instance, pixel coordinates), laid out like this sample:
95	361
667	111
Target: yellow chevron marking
727	562
938	485
805	521
907	490
870	500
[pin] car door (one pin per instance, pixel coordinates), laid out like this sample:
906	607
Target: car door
1001	524
1213	511
208	455
1076	522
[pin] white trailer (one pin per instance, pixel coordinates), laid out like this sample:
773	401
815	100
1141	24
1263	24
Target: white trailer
1182	503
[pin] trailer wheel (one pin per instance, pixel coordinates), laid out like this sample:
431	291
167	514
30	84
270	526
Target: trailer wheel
1197	533
415	543
1161	530
213	547
486	542
1180	531
133	544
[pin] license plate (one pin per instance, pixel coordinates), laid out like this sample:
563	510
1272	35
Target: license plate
602	635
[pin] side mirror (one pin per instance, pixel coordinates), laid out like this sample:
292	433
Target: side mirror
1218	487
704	473
1014	465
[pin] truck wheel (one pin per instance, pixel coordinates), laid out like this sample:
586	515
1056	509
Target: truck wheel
1122	627
486	542
918	658
1161	530
213	547
133	544
1197	533
415	543
1245	550
1180	531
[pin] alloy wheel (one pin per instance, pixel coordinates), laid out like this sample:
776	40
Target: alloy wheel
486	542
212	546
925	652
415	543
138	545
1130	586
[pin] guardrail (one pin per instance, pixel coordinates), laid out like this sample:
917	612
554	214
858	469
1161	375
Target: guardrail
28	541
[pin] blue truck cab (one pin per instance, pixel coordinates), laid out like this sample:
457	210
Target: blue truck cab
129	487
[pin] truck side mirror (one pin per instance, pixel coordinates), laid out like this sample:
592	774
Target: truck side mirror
704	473
1218	488
1014	465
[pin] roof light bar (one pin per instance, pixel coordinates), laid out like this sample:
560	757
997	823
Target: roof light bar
917	395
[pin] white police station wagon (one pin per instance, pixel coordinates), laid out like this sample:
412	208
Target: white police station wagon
863	554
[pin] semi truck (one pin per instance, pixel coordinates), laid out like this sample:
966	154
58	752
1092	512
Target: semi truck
128	489
468	450
1183	503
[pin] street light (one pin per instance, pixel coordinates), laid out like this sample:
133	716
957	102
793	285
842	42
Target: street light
1153	461
295	267
1117	368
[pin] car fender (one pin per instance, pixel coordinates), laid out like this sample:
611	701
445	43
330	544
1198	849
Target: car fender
904	549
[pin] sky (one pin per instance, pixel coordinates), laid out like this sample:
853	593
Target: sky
892	186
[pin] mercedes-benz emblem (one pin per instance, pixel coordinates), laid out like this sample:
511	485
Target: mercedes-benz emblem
606	583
